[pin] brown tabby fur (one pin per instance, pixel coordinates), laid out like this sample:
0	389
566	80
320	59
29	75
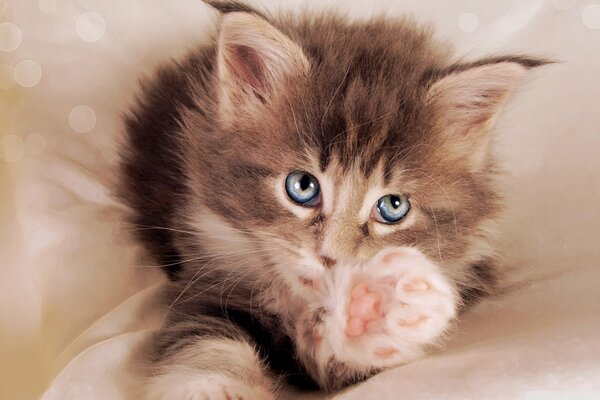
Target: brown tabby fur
365	108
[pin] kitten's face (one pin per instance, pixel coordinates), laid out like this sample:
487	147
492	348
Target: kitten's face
328	156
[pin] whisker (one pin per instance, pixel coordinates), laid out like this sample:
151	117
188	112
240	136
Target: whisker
447	196
148	227
237	282
333	97
195	278
437	232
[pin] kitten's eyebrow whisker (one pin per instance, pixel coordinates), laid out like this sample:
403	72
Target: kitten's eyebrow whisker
437	235
334	142
300	133
308	120
437	232
333	97
447	196
404	153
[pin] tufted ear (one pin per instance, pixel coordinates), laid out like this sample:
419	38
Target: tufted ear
470	98
254	59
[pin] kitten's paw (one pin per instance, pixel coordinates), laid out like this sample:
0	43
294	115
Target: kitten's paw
391	308
190	386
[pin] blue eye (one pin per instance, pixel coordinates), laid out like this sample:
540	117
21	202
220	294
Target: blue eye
391	208
303	188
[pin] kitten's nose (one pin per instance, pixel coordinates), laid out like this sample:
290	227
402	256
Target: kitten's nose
328	262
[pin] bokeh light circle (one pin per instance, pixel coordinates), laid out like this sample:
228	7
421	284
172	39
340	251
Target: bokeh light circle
90	27
468	22
28	73
82	119
10	37
591	16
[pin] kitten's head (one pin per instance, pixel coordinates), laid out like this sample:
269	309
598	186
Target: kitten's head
328	141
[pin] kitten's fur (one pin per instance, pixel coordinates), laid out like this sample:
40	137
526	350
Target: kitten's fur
369	108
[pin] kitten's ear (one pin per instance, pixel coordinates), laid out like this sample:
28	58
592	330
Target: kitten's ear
470	98
254	58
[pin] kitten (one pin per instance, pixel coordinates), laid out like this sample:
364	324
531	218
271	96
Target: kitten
321	194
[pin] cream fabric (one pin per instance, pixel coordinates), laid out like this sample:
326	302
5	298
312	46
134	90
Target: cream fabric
75	293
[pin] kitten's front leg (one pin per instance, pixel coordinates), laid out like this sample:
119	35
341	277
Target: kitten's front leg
207	358
381	314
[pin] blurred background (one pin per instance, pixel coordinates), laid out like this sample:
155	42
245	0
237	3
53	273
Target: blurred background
74	296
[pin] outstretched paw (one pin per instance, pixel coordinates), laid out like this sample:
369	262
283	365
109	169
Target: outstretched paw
394	305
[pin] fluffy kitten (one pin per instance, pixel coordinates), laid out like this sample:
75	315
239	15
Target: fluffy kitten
321	194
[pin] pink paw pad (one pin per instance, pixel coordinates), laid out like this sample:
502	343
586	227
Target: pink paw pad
389	309
365	307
